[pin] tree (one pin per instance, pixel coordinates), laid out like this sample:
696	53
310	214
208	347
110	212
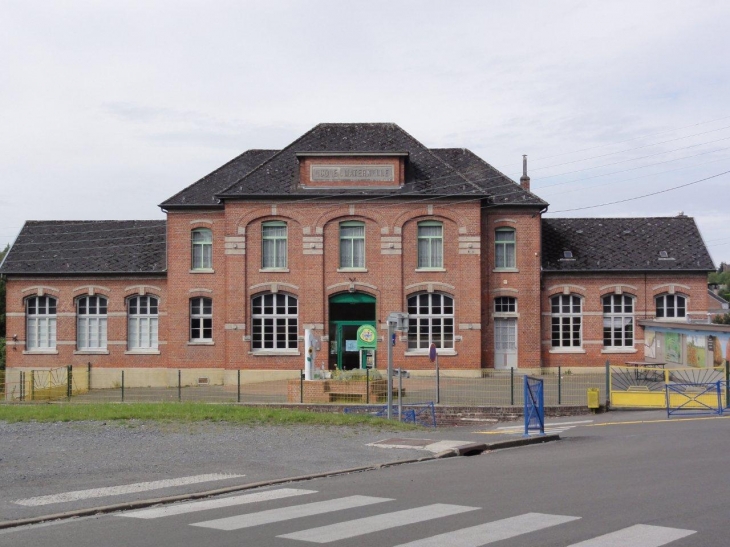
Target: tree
722	319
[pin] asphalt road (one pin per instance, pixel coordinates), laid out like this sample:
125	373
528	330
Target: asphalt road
648	482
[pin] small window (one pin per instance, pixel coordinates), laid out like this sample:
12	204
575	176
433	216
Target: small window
671	306
566	321
663	254
201	319
430	245
40	317
91	322
202	249
505	304
142	322
273	252
504	242
567	254
352	245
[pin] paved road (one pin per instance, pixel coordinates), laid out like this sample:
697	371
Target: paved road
648	482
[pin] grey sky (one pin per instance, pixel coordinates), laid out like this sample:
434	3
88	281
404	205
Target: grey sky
108	108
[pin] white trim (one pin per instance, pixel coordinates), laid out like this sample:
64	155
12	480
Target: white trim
202	271
424	352
566	350
620	350
506	270
142	352
91	352
269	352
37	352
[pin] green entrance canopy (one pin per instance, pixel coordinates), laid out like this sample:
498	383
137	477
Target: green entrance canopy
352	298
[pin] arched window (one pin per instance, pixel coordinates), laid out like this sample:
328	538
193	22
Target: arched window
566	312
275	322
201	319
671	305
352	245
430	244
202	249
504	248
142	323
40	323
273	244
91	322
618	320
431	320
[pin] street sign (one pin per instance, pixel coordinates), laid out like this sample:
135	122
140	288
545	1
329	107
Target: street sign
432	352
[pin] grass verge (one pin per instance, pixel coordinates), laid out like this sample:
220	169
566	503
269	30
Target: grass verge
186	413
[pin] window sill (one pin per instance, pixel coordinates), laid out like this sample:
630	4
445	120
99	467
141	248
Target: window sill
275	270
424	352
201	343
620	350
202	271
506	270
142	352
350	270
280	352
91	352
41	352
430	269
567	350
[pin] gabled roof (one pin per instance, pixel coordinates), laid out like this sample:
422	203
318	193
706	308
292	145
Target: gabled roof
718	301
202	193
81	247
624	244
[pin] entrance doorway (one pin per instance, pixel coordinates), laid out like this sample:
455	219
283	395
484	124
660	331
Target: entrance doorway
348	312
505	343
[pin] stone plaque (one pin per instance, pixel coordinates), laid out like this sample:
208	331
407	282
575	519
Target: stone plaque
352	173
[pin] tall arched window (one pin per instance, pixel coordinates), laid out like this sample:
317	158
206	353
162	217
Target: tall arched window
275	322
431	320
201	240
91	323
671	305
618	320
201	319
504	248
40	323
566	312
142	323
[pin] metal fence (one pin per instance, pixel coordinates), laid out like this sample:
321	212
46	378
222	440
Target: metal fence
493	388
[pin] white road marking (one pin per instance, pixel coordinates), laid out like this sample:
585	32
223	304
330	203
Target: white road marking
558	427
123	489
192	507
641	535
483	534
555	424
368	525
288	513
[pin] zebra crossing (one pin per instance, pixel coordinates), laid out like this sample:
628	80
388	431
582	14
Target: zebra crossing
638	535
557	427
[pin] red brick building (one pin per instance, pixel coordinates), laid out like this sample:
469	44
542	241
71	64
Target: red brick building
346	224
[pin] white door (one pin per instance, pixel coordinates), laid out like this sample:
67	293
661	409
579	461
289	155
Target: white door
505	343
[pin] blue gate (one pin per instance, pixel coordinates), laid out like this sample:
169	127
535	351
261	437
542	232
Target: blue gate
534	405
696	398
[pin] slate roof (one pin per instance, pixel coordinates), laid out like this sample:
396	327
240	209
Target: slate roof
623	244
438	172
81	247
202	193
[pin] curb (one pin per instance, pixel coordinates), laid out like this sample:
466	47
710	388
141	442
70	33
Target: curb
470	449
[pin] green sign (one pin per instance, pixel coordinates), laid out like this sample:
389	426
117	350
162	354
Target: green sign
367	337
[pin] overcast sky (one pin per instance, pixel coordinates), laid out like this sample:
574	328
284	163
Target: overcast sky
108	108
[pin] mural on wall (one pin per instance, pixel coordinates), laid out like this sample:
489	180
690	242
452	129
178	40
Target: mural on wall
716	345
696	351
673	347
650	344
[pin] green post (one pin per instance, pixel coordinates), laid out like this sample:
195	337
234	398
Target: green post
367	386
32	385
512	387
88	375
238	398
301	387
560	386
179	385
608	383
22	385
69	380
122	386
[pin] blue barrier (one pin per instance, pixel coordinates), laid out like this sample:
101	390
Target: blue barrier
534	405
423	414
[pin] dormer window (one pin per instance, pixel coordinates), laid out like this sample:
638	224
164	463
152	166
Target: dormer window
567	254
663	254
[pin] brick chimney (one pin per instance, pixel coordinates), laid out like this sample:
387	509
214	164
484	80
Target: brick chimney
524	179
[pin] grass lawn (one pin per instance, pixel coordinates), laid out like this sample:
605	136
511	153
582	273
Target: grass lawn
186	412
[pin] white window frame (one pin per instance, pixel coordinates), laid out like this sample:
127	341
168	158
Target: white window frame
40	328
91	323
430	247
199	318
430	322
276	259
143	322
618	320
275	322
566	322
503	260
677	311
351	242
201	249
